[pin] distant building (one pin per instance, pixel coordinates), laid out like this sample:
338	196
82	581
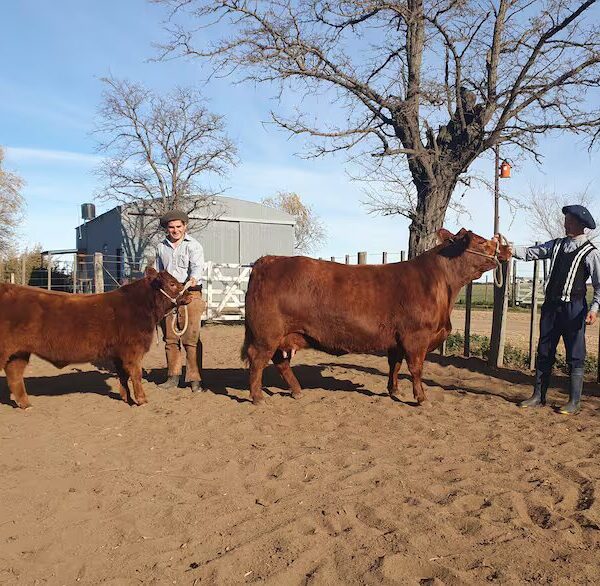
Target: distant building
240	232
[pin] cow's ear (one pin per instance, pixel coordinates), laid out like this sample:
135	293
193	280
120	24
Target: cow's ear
444	235
150	273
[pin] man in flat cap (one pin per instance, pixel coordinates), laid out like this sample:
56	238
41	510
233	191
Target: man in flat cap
183	257
565	311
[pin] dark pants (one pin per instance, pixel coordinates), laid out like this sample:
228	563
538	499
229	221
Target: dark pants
566	319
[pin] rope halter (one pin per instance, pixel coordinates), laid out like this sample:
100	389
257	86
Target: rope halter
498	275
175	310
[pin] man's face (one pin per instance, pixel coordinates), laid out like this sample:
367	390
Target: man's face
176	230
573	226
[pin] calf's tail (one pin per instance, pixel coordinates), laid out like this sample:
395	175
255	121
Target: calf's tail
248	337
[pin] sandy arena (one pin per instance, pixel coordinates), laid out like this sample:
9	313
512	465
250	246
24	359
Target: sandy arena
345	486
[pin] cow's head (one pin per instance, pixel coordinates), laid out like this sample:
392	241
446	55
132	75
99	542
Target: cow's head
482	254
168	286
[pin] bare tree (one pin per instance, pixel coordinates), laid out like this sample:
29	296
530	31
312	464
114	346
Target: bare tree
545	217
159	149
11	207
433	84
309	231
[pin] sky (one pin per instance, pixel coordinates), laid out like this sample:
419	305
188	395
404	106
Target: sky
50	91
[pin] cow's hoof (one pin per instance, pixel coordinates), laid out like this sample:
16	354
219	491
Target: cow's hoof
393	392
297	395
26	407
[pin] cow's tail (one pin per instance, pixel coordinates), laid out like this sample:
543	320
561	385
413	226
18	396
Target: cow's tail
247	341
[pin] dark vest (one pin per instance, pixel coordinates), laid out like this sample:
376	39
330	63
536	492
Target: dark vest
568	272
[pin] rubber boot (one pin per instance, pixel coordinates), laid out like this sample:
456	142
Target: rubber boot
575	388
171	382
538	399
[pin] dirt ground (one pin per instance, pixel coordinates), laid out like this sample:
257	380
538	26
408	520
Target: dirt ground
345	486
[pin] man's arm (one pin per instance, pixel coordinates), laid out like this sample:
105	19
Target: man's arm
196	253
536	252
592	262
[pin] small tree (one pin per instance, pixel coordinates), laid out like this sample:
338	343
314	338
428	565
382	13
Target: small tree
309	232
11	207
545	217
158	149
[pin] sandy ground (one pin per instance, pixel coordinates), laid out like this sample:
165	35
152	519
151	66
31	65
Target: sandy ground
345	486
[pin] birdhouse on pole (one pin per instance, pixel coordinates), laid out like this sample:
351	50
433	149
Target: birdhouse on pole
505	170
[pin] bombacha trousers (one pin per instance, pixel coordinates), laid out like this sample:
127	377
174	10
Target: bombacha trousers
190	340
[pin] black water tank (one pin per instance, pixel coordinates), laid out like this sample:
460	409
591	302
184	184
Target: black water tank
88	211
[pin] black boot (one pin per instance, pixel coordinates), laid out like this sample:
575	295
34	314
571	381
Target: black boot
171	382
575	388
538	399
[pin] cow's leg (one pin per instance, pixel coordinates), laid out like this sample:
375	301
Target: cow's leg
415	360
285	370
395	358
14	369
123	380
258	359
133	367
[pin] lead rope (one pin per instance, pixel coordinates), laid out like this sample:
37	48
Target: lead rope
175	312
498	274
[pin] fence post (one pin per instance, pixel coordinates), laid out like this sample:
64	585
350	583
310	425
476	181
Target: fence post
384	258
333	259
1	272
362	258
533	321
347	259
402	256
11	278
75	273
98	273
49	285
496	357
514	284
209	290
468	304
23	270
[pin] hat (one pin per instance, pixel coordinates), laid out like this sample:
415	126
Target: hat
582	214
173	215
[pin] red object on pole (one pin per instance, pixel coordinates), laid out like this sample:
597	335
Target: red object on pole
505	170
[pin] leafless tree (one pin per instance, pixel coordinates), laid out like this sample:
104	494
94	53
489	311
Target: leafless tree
11	207
545	217
309	231
433	84
162	151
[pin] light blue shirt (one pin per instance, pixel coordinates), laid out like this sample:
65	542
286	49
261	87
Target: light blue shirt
183	261
592	260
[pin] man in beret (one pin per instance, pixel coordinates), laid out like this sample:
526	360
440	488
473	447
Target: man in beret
183	257
565	312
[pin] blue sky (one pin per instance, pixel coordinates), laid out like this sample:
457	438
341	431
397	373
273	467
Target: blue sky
50	91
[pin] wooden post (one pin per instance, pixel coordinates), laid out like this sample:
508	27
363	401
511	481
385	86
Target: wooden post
75	273
468	305
384	258
98	273
23	270
402	256
49	284
347	259
333	259
362	258
496	357
11	278
1	272
533	320
514	285
209	290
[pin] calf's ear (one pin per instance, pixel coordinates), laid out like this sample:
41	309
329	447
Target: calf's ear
444	235
150	273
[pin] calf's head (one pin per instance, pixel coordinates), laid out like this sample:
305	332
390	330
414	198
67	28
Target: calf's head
479	255
168	287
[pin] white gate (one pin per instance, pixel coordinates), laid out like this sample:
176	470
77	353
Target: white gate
225	291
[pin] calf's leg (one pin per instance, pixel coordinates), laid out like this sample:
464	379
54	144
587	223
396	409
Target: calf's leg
395	358
415	360
258	359
133	367
286	372
123	380
14	369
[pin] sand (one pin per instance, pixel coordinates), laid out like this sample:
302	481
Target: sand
345	486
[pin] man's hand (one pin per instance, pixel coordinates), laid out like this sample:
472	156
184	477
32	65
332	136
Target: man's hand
192	282
498	238
591	317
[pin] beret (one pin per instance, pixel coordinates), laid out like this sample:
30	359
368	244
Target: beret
582	214
173	215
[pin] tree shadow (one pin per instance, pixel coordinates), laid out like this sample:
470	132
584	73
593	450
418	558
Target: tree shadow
63	384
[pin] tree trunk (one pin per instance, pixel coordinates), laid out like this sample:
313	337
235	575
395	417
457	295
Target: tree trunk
429	217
